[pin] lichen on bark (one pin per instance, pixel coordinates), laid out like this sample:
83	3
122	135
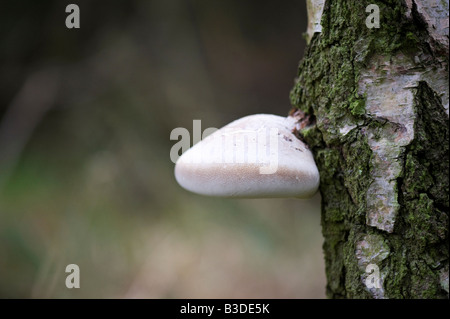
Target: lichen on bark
379	100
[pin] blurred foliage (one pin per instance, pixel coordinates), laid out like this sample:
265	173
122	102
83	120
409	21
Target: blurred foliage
85	174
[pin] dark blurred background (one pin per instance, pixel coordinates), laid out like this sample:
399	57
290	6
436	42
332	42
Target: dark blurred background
85	172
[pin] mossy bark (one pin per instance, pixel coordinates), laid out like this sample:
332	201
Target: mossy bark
380	136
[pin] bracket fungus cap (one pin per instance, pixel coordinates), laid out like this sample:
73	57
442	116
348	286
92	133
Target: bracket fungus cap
256	156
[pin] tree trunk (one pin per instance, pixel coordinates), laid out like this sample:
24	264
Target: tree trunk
378	99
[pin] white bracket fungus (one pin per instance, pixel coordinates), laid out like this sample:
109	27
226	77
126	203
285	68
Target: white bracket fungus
253	157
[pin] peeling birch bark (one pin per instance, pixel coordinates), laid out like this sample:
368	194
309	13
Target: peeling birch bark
390	99
315	9
435	15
